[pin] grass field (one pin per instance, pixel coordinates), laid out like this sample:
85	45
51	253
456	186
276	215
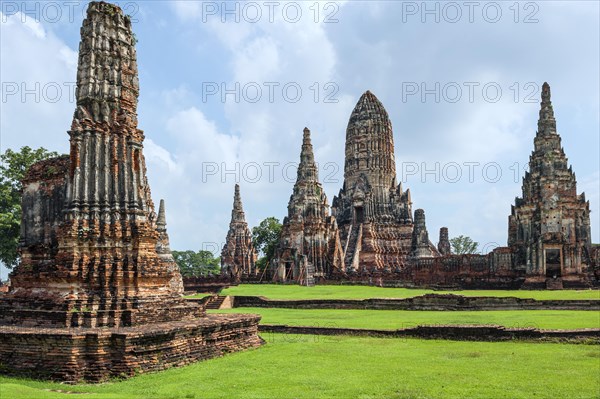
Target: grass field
274	291
394	319
312	367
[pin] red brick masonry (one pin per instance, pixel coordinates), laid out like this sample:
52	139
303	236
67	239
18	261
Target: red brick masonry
97	354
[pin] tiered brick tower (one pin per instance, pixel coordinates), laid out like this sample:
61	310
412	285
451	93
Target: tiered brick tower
309	246
373	213
549	227
94	256
238	257
92	241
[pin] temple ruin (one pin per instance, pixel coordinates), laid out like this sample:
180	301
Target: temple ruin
238	257
309	245
97	293
549	226
372	236
373	212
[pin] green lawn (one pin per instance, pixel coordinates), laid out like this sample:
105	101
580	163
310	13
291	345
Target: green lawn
394	319
312	367
274	291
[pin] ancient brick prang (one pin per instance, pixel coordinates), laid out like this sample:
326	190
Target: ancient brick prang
238	257
93	254
89	255
549	226
309	245
373	212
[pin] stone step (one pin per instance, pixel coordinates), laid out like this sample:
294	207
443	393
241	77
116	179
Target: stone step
352	243
215	302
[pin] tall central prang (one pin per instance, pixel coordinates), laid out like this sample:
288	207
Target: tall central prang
373	212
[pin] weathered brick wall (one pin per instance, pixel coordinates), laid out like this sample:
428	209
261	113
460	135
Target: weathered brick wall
98	354
459	333
425	302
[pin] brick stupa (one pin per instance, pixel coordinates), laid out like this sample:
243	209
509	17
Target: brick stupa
97	293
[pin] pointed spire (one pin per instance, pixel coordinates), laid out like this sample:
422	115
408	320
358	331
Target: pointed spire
238	255
546	122
161	221
307	170
237	213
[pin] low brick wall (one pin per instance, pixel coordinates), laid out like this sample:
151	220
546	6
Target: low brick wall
425	302
94	355
460	333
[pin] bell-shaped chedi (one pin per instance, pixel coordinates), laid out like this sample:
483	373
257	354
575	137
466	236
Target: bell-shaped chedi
93	254
373	212
238	257
309	245
549	226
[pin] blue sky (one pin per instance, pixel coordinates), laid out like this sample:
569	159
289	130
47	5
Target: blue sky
460	81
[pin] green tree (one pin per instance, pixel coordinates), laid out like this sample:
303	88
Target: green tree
463	245
13	166
265	238
195	264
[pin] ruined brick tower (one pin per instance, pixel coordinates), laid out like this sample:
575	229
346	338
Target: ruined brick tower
92	244
309	246
421	247
443	246
373	212
549	227
238	256
93	254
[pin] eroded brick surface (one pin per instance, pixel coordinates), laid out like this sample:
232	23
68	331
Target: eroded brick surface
373	212
382	243
310	245
95	257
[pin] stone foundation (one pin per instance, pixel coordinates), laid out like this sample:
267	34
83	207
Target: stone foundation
95	355
456	333
428	302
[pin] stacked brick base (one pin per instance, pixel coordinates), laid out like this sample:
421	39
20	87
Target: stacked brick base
94	355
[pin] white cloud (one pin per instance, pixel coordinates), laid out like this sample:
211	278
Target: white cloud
39	68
